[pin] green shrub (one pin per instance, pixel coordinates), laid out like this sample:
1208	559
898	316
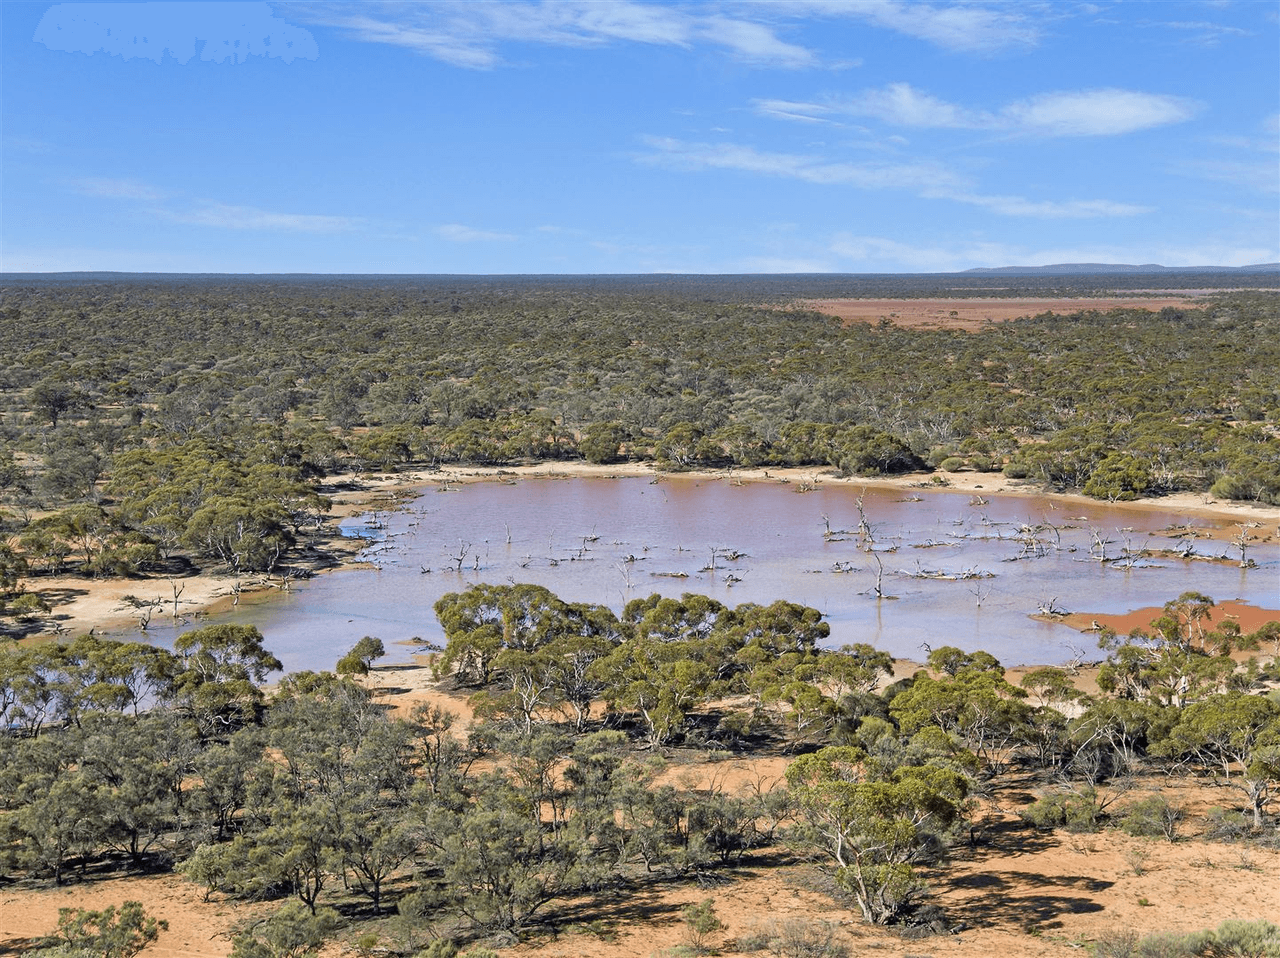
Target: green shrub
1235	938
701	922
440	948
1118	477
292	932
360	658
795	938
1076	812
1227	825
1151	817
109	933
27	606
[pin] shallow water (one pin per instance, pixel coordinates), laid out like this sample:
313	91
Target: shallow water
611	540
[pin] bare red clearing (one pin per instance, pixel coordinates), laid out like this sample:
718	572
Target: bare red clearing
971	314
1250	618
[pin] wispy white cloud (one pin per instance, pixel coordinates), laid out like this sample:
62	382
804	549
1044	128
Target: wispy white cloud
442	44
1048	209
472	35
1253	165
1204	32
1261	176
117	189
1098	112
636	22
902	104
677	154
755	42
1106	112
457	233
173	207
925	179
793	110
964	28
226	216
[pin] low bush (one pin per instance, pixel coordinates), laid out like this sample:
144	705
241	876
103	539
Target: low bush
1234	938
1151	817
1075	812
795	938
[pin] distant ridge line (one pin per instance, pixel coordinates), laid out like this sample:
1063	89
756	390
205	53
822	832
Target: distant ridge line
1067	269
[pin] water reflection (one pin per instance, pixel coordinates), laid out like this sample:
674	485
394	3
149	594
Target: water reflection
953	570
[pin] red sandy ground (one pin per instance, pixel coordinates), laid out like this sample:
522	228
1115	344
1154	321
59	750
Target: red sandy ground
1249	618
972	314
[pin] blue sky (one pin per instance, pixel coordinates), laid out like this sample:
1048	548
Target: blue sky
630	137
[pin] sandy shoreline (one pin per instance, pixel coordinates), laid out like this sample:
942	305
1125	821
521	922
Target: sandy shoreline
1197	505
84	605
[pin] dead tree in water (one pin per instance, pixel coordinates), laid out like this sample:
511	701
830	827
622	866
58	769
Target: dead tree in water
879	586
1050	608
177	591
864	528
1099	544
1242	540
461	557
1032	547
1057	533
979	594
143	608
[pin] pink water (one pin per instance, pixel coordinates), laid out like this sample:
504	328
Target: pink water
609	541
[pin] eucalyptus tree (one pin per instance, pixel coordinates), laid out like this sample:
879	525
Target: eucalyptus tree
218	684
874	824
1237	737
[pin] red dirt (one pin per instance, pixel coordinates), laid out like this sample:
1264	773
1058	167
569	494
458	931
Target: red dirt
1249	618
973	314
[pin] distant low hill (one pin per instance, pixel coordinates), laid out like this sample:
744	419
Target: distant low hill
1066	269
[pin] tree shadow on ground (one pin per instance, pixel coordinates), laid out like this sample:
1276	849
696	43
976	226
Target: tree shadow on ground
622	907
1018	898
390	690
37	623
12	947
1001	838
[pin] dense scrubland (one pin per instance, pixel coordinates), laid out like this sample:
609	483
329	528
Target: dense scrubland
155	427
